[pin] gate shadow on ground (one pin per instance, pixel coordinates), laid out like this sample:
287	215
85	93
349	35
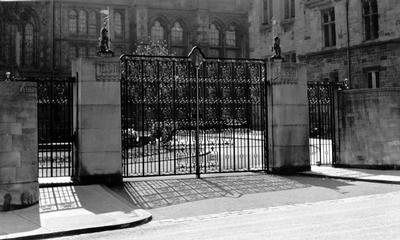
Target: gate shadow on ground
58	199
159	193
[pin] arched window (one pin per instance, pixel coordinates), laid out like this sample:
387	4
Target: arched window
177	34
157	32
72	21
214	35
118	24
230	37
92	23
82	22
28	44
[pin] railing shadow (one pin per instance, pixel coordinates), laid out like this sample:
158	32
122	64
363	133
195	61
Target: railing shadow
159	193
58	199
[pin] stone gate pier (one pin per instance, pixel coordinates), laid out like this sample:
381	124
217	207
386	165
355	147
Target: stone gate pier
97	120
18	145
288	118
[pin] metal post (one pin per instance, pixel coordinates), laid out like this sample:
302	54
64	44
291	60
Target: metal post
197	125
197	58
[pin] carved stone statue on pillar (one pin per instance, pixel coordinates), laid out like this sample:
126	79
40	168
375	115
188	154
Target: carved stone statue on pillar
276	50
104	49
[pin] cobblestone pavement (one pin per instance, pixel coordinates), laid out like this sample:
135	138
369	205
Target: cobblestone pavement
159	193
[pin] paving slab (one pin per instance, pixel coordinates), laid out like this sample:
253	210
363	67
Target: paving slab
368	175
67	210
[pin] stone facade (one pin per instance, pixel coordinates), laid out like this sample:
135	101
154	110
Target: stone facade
362	145
303	39
19	186
39	35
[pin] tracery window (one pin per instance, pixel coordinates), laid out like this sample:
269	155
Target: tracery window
28	44
93	23
118	23
82	22
230	37
177	33
214	35
72	21
157	32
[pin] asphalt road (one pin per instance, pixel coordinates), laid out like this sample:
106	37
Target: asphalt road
324	209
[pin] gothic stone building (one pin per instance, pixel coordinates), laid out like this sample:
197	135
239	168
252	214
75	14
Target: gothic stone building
38	37
357	40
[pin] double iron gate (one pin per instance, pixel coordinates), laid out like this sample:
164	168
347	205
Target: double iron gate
161	134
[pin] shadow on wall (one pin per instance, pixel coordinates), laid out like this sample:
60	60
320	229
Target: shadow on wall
159	193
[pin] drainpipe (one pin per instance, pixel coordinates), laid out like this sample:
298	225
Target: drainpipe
348	45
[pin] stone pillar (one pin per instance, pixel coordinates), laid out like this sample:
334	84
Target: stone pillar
97	120
288	113
18	145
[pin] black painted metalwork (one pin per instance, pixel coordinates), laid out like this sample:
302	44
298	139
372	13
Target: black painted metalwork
55	125
322	122
159	115
55	130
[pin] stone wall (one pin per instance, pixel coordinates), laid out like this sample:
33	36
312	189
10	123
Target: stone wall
18	145
369	125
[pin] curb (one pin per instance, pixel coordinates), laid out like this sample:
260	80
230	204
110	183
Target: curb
85	230
316	175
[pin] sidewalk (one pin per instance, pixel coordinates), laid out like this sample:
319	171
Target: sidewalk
367	175
67	210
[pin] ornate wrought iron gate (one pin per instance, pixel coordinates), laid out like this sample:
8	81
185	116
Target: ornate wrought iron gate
55	130
322	122
159	116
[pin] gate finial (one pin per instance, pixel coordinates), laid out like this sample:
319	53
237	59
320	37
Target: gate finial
196	56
